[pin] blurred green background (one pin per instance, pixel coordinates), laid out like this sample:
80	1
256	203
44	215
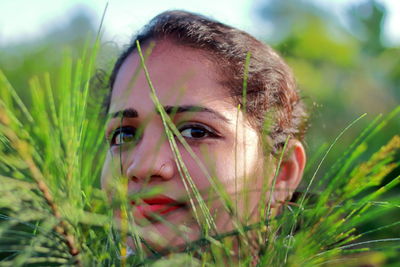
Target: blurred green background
342	71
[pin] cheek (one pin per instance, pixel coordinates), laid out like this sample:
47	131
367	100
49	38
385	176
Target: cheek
105	170
197	174
111	168
211	165
106	173
218	160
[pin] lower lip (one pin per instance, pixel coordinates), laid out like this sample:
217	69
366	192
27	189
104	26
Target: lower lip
150	212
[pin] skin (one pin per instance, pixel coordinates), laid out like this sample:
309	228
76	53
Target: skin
218	134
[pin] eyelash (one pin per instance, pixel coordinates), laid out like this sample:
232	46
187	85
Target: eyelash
122	130
133	134
210	133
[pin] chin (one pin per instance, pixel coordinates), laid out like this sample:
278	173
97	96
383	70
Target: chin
172	232
176	229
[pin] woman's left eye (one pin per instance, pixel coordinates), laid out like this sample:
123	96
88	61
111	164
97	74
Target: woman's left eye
196	132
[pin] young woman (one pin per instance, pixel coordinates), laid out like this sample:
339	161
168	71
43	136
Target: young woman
232	134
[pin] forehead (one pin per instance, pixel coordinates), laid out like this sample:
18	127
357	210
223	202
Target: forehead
180	75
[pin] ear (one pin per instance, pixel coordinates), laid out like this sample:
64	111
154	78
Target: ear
290	173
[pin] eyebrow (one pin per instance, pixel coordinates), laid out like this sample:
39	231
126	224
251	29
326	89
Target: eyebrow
132	113
125	113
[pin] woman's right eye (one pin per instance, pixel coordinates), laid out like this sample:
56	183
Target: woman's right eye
123	135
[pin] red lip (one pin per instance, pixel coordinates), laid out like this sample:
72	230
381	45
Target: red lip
156	206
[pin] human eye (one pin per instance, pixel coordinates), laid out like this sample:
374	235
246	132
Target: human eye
196	131
123	135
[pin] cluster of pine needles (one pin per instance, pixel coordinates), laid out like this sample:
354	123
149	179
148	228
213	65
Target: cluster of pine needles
53	212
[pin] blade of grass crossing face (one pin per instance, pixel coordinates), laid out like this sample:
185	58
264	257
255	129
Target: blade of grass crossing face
244	121
236	152
188	182
272	189
165	117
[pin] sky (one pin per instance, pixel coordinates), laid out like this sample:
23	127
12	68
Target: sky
25	19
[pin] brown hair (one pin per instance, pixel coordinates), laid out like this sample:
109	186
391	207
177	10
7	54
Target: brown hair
271	87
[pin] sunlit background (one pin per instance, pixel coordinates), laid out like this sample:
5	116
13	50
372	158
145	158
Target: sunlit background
25	20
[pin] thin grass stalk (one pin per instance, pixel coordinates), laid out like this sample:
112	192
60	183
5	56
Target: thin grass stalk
165	120
244	110
326	153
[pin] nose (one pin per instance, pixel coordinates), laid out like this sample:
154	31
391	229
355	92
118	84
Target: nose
151	160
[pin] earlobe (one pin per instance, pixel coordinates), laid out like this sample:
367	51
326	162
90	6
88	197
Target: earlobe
291	172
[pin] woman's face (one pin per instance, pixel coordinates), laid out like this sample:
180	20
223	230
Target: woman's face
187	85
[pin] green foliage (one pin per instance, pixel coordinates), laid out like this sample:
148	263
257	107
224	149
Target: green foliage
52	212
342	72
47	170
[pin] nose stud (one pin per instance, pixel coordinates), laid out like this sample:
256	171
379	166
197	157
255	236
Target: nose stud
165	171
